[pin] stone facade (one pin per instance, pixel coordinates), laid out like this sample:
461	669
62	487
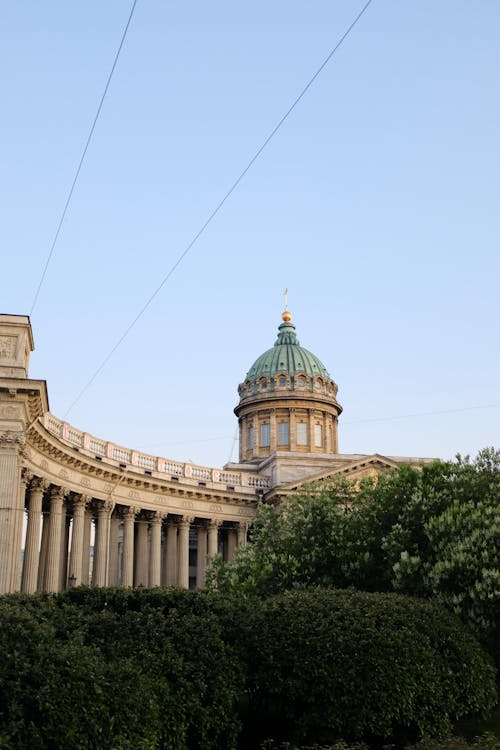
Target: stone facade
150	521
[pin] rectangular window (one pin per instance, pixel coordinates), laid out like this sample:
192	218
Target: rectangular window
282	433
301	433
250	436
264	434
318	436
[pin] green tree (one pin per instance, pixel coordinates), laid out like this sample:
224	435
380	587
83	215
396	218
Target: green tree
432	532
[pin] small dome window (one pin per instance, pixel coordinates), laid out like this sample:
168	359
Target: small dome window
318	384
282	382
301	382
263	384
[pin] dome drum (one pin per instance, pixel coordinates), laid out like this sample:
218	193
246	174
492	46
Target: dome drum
287	402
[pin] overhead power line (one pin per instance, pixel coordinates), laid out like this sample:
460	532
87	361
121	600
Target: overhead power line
219	206
422	414
77	173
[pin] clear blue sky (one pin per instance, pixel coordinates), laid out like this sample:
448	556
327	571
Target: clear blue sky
377	205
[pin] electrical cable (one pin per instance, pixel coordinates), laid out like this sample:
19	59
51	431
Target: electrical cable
70	194
218	207
421	414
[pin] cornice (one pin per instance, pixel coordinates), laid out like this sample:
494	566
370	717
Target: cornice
53	460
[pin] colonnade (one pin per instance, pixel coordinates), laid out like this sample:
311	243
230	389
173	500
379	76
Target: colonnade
131	546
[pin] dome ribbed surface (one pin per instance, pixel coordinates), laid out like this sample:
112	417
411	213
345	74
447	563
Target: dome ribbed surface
288	357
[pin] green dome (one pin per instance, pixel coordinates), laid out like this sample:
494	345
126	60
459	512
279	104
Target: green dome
287	357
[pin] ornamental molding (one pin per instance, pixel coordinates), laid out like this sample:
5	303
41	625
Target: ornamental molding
11	438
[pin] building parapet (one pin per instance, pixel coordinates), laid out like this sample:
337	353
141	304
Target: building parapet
141	462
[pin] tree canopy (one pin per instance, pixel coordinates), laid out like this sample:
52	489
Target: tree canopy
430	532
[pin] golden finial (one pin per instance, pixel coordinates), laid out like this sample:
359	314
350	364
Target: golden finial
286	316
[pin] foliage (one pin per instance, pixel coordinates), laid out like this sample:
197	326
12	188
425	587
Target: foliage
431	533
172	669
140	673
328	664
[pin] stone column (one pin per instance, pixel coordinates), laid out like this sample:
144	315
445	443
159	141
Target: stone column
77	537
141	554
113	550
11	506
128	547
201	557
293	430
44	544
335	434
183	572
213	537
31	546
231	544
171	578
155	550
242	534
164	559
52	571
101	554
243	433
272	431
63	560
311	430
87	533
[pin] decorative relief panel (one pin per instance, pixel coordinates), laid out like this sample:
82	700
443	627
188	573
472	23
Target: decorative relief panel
187	504
85	482
10	411
8	346
44	464
216	508
108	487
134	495
64	474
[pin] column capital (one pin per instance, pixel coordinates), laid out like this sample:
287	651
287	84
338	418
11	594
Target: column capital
156	517
214	523
128	511
38	484
80	501
104	507
57	492
186	520
11	438
26	476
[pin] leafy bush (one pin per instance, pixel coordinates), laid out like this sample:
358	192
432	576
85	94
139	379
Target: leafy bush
77	673
330	664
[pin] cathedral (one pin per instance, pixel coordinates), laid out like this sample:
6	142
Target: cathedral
79	510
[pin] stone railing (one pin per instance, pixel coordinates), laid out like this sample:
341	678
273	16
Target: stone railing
144	462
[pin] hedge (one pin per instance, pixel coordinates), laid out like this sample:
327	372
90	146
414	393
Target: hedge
176	670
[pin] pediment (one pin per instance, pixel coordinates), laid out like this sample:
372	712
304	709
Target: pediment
357	469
